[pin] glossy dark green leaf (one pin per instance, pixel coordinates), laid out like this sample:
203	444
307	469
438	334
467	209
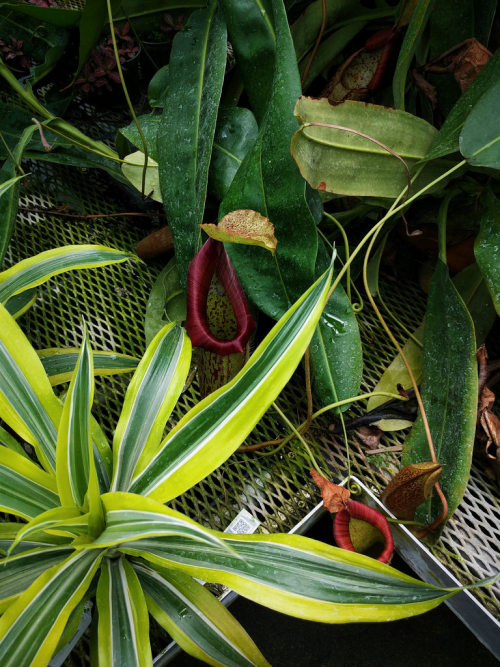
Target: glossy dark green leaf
9	200
412	37
252	35
197	66
473	289
166	303
268	182
480	136
487	250
447	140
157	88
149	125
449	393
450	24
235	134
336	352
62	17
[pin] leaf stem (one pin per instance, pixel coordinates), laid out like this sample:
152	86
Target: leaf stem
315	415
127	97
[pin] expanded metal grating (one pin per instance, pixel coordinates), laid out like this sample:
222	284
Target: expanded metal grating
276	489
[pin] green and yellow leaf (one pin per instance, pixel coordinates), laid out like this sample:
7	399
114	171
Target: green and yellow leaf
59	363
151	396
214	428
30	628
36	270
196	620
25	489
27	403
299	576
123	629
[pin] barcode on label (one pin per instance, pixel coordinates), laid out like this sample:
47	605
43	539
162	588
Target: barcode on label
244	522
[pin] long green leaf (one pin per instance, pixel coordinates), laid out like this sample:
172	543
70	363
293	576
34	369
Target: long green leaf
487	250
340	161
472	288
63	520
20	571
31	626
9	531
413	34
196	73
59	363
447	141
235	134
299	576
17	305
123	629
196	620
6	440
62	17
151	396
25	489
221	422
336	353
10	198
130	517
74	456
27	402
252	35
449	393
480	135
36	270
268	182
9	183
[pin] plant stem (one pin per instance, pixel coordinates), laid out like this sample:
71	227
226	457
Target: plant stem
127	97
346	246
441	220
298	435
302	427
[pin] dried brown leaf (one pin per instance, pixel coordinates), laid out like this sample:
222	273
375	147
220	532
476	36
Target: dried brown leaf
465	60
244	226
486	400
334	496
369	436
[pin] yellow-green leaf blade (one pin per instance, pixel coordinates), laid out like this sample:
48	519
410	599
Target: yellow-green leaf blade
123	629
20	571
59	363
221	422
74	442
32	625
298	576
25	489
27	403
36	270
196	619
151	396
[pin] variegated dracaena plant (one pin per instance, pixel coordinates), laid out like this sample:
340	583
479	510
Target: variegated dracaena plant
97	523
